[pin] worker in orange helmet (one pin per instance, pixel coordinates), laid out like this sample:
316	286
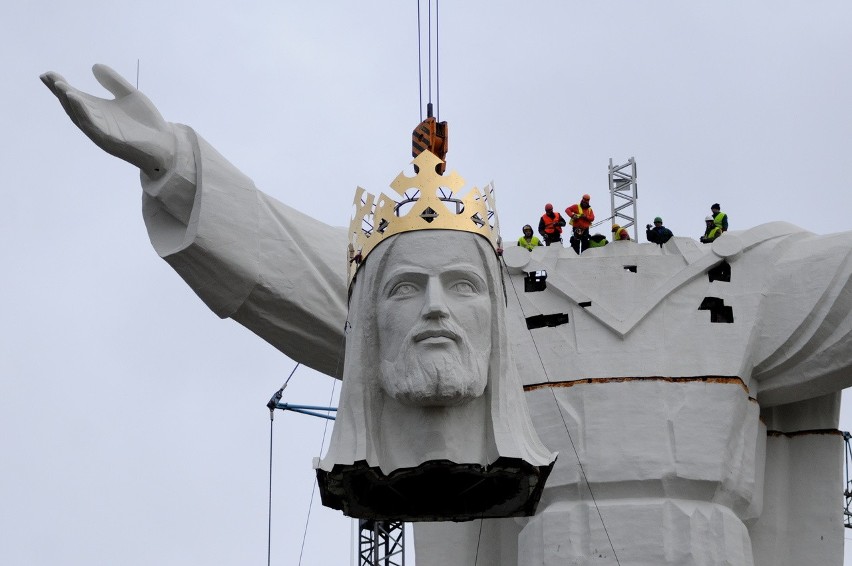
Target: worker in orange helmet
581	217
550	225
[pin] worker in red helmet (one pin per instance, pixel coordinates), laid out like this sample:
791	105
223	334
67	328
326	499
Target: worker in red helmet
581	217
550	225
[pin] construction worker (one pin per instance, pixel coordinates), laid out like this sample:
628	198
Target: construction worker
529	241
581	217
719	217
550	225
711	232
620	234
597	241
658	234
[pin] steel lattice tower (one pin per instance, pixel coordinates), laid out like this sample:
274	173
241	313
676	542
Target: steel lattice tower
381	543
623	194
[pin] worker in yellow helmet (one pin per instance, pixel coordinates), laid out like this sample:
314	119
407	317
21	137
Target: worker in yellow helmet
620	234
529	241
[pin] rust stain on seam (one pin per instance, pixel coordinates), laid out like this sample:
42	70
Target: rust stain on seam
705	379
817	431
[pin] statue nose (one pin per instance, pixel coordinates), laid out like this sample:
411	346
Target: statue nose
436	301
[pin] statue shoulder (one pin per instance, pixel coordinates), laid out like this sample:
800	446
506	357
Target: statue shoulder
805	325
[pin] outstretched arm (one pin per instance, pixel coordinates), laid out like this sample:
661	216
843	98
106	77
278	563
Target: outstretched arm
248	257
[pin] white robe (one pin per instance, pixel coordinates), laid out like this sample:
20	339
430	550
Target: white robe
703	442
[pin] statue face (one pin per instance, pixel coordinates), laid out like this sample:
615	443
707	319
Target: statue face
434	320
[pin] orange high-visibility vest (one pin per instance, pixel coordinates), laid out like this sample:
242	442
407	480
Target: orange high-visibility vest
551	225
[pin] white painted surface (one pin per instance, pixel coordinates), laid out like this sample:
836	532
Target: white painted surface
423	423
696	463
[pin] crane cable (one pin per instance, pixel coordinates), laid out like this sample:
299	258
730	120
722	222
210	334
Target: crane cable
568	432
437	66
419	62
429	60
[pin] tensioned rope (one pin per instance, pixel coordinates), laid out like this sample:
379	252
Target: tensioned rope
346	327
568	432
314	490
478	540
602	221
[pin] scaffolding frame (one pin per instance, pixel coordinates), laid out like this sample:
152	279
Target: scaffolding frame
381	543
623	193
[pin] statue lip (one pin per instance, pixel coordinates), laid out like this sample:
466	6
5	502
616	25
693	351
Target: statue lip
435	333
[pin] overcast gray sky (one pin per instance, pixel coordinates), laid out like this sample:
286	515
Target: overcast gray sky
133	423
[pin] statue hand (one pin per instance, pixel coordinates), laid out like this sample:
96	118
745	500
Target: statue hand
129	126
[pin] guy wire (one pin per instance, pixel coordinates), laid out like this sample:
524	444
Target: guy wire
567	431
314	490
478	540
346	327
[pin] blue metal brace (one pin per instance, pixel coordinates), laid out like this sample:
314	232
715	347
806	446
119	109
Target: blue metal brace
307	410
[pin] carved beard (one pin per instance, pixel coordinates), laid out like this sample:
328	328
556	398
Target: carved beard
438	375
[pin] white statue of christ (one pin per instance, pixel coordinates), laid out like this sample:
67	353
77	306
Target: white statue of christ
428	381
698	386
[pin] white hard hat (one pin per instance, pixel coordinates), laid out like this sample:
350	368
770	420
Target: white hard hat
708	219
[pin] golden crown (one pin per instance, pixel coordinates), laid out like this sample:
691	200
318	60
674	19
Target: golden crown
426	201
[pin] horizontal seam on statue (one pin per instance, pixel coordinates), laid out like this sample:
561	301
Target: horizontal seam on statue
816	431
589	380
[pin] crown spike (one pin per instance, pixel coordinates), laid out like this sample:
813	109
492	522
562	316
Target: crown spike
431	208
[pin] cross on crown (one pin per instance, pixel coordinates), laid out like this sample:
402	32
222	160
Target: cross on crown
427	201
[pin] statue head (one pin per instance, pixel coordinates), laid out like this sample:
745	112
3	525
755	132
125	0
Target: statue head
432	423
433	314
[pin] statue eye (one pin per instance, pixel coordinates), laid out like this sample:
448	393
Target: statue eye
464	287
403	289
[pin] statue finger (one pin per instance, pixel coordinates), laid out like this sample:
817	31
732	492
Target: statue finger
112	81
50	79
59	87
